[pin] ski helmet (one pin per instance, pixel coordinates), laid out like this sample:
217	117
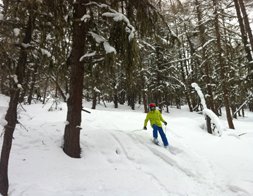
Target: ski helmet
151	105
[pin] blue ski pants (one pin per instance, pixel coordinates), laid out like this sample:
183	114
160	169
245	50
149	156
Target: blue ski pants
157	129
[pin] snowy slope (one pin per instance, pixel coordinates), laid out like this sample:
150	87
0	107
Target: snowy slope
118	157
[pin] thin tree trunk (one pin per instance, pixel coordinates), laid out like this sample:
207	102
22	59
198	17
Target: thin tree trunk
131	99
249	33
246	22
72	129
59	89
186	91
144	101
25	87
209	99
45	91
30	95
234	111
115	97
239	6
56	89
243	114
94	100
222	68
11	115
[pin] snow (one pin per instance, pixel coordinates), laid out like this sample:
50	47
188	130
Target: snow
85	17
214	118
16	31
25	45
118	157
88	54
117	16
46	52
15	78
100	39
108	48
121	17
96	90
19	86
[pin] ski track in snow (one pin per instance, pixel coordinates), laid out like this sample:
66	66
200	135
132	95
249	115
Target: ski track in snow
172	160
205	177
131	158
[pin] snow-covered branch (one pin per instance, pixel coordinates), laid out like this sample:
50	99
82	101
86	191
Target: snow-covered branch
87	55
214	118
244	103
117	16
200	94
100	39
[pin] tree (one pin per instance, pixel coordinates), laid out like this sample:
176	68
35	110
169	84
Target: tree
72	130
222	66
11	115
245	32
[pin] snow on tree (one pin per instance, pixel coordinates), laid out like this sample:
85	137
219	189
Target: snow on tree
207	112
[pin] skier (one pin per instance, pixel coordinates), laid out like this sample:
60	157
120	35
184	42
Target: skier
156	120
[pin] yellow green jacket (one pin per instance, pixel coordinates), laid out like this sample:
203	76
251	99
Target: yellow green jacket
155	118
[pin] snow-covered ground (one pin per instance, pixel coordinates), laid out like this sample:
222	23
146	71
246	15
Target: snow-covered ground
119	159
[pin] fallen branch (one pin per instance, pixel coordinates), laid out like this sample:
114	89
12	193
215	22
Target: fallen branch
86	111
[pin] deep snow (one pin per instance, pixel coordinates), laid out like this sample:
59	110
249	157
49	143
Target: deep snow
119	159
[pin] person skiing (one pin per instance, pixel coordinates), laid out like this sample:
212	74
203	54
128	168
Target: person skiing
156	120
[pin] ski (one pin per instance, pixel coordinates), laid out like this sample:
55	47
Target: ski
173	150
155	142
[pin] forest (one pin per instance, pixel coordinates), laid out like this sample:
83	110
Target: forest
124	52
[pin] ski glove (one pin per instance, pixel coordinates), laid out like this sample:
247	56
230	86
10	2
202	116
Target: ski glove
165	122
145	128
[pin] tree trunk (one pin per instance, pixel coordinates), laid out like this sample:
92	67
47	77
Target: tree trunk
115	97
208	125
234	111
122	96
251	106
131	99
246	22
144	101
245	28
45	91
186	91
31	91
222	68
72	129
202	37
59	89
3	79
11	115
94	100
25	86
249	33
11	118
243	114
